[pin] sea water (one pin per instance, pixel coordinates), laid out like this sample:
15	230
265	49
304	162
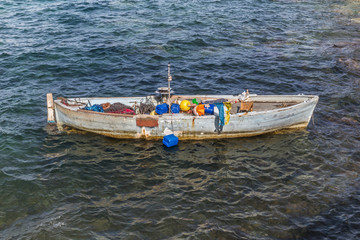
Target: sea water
75	185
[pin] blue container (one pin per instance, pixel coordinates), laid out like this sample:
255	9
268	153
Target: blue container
162	108
175	108
210	109
170	140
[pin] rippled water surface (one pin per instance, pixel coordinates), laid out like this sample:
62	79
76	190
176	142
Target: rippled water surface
303	184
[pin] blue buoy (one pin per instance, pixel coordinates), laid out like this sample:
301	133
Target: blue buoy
170	140
162	108
175	108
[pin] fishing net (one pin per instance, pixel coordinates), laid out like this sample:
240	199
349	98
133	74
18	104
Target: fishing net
146	106
120	108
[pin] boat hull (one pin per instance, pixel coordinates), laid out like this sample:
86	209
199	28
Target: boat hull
187	126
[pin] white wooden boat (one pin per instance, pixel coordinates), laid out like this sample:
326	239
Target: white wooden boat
270	113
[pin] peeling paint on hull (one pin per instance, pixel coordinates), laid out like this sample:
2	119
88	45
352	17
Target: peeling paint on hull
188	127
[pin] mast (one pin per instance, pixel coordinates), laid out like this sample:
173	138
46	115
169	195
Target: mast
169	80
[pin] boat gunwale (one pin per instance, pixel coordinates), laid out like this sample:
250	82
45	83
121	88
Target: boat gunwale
308	98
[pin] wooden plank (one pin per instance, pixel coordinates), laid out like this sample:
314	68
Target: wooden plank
147	122
246	106
50	108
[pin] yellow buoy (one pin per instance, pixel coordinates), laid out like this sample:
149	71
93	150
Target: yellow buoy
185	105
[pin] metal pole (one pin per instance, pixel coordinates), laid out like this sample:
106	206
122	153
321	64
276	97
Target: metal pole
169	80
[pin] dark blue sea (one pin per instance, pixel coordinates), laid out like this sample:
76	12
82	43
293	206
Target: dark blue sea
74	185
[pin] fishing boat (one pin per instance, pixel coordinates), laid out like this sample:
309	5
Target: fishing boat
248	115
267	113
